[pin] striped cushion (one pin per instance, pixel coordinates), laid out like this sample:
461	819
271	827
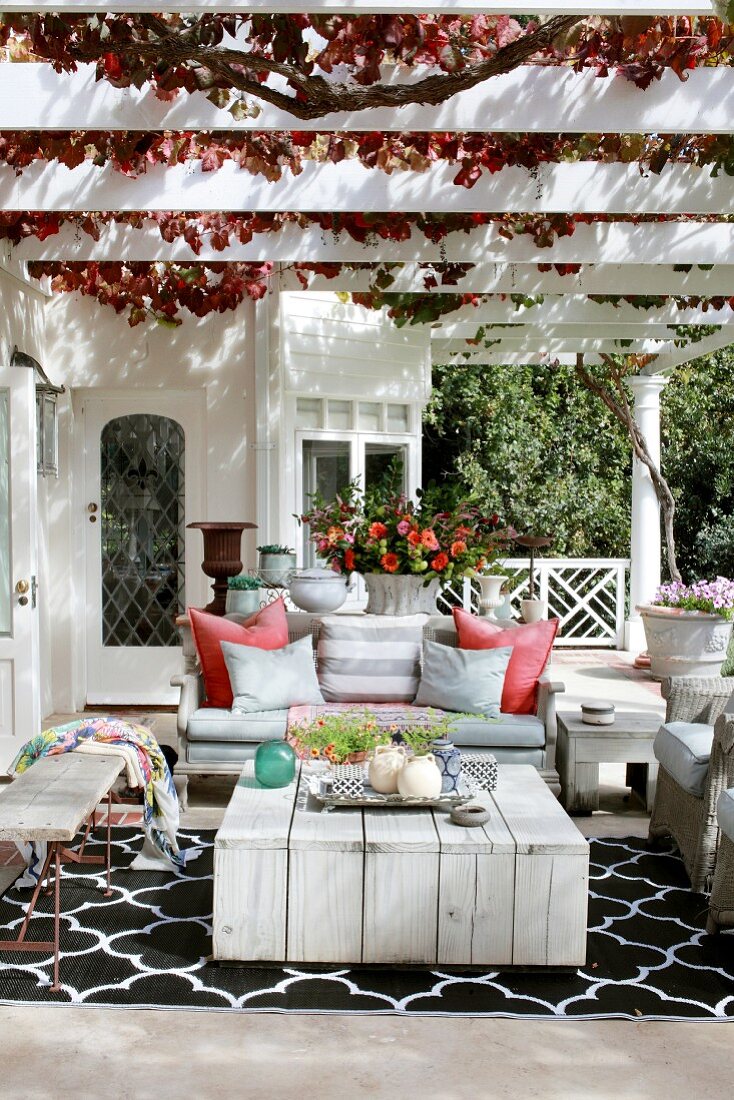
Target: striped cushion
370	658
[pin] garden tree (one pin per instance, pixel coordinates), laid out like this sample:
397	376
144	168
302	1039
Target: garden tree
607	381
230	53
535	446
698	436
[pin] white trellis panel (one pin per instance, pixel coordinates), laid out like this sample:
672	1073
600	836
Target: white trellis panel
587	595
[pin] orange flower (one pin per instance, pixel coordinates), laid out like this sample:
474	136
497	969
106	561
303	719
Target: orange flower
349	560
414	538
377	530
314	752
429	540
334	534
457	548
389	562
462	531
439	562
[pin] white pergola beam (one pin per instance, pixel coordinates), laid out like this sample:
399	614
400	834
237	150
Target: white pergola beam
551	345
572	310
564	332
678	356
610	242
364	7
526	358
531	98
584	187
497	278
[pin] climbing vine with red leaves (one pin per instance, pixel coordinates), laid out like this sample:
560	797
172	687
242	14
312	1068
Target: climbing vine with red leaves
271	153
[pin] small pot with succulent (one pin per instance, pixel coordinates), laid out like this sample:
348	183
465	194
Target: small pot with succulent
243	595
347	738
276	565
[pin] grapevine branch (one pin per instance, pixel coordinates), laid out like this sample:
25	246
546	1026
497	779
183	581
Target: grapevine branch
317	96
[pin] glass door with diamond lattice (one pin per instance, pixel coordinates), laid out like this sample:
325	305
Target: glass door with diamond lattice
137	474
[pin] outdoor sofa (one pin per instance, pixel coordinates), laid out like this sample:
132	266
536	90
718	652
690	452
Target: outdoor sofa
214	740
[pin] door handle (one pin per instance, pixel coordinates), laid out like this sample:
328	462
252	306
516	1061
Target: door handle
21	588
92	508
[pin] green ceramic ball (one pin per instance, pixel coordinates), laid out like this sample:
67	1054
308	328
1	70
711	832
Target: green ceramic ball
275	764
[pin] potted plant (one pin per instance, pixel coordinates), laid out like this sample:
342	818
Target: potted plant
243	594
405	551
688	627
276	565
347	738
533	609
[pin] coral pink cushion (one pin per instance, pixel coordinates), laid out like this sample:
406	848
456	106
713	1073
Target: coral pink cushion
267	629
531	643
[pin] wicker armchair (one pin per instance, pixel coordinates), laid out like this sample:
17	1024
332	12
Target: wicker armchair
721	902
691	820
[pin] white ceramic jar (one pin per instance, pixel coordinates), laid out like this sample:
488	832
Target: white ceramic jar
420	777
385	767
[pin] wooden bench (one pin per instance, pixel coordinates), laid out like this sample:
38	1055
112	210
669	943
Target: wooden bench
53	801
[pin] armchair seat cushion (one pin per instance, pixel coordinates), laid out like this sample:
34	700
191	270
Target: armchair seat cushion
218	724
725	813
684	750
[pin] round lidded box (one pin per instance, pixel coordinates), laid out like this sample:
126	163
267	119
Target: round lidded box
597	714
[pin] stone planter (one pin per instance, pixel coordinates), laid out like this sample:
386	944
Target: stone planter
276	569
533	610
491	594
390	594
243	601
685	643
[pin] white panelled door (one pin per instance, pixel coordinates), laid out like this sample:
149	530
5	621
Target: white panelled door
144	468
20	679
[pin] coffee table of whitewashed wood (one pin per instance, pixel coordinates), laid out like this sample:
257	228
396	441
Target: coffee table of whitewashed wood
295	884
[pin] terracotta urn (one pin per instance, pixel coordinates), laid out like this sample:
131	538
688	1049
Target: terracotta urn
222	550
420	777
385	767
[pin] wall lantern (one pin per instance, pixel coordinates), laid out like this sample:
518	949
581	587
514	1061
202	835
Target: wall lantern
47	425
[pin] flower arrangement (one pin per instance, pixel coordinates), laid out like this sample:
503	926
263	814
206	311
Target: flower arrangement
419	736
340	738
713	597
374	533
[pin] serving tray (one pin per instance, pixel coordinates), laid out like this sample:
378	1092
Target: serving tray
320	787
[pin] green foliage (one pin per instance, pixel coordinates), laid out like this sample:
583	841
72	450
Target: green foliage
532	443
275	549
698	458
244	583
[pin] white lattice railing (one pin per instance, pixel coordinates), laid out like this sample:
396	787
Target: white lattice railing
586	594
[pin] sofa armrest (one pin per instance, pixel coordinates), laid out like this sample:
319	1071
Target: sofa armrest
191	698
547	691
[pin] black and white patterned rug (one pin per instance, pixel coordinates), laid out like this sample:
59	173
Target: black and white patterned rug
648	954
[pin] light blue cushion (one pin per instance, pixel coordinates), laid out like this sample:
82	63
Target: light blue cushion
271	679
725	812
217	724
512	730
684	750
469	680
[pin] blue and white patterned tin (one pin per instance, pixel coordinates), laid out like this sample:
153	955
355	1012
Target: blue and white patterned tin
448	759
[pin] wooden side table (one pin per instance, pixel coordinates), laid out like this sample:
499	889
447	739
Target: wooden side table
581	748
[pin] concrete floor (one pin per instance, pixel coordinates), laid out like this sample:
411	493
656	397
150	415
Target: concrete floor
61	1052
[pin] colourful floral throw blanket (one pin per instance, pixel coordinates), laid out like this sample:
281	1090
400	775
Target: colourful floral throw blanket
145	760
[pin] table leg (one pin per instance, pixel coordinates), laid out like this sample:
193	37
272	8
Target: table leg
56	988
108	891
586	784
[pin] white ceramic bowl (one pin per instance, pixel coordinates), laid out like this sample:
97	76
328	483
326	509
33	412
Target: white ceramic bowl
318	591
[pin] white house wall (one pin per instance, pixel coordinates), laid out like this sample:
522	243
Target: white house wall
94	352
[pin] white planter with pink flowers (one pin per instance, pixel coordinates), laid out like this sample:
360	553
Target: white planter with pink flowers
685	643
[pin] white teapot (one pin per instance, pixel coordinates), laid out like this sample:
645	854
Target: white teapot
385	766
420	778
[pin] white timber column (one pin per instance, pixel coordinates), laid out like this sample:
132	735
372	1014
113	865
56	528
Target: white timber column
645	538
263	444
